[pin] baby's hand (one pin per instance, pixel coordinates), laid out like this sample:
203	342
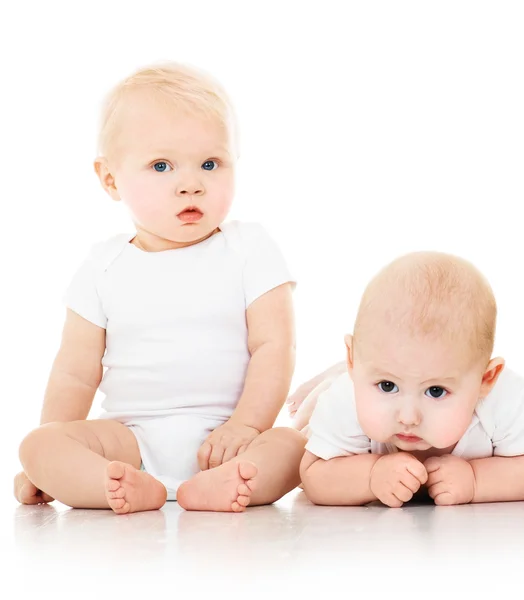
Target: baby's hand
27	493
396	477
451	480
224	443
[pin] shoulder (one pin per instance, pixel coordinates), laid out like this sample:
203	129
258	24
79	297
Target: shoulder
337	399
334	429
102	254
505	400
242	235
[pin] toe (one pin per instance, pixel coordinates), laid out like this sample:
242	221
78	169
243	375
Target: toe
247	470
113	485
243	500
119	493
27	494
235	507
117	503
251	484
116	470
243	490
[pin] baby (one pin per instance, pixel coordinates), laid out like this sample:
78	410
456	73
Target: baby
190	316
422	405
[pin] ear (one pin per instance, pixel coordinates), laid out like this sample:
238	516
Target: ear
491	374
349	347
106	177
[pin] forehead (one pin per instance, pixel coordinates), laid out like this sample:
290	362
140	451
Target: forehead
146	124
418	358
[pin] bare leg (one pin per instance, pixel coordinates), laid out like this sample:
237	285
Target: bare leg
266	471
73	462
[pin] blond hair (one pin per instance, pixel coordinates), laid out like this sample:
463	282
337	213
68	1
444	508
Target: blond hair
432	294
186	88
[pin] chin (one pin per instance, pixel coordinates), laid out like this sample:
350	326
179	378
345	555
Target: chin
412	446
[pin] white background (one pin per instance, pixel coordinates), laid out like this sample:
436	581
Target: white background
368	129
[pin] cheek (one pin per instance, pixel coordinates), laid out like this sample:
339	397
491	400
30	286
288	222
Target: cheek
222	191
446	427
374	417
143	198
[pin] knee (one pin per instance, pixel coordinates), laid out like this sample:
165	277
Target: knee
34	442
291	438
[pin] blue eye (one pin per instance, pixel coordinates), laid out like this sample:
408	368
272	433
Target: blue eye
388	387
210	165
161	167
435	392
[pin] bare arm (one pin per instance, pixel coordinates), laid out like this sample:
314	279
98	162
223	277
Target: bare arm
341	481
76	372
271	342
498	479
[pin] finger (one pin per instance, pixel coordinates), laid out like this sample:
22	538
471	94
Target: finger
434	478
392	501
242	449
437	489
432	464
230	452
203	455
217	456
418	470
411	482
445	499
403	493
46	498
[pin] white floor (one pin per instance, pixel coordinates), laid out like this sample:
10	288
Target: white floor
289	549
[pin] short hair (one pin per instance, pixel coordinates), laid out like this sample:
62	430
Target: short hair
432	294
187	88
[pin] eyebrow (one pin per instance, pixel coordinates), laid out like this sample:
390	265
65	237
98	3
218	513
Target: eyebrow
165	151
388	376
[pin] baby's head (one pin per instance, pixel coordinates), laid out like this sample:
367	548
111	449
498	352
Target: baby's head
420	353
167	149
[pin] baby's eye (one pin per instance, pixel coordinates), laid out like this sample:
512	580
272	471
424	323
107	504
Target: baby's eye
210	165
161	167
436	392
387	387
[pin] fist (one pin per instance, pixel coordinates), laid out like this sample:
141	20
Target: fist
396	477
451	480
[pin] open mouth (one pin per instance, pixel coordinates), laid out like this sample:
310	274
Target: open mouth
191	214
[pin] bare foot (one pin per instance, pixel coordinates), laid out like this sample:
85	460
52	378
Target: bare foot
130	490
226	488
27	493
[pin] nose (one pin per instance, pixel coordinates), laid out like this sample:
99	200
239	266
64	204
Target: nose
189	184
408	413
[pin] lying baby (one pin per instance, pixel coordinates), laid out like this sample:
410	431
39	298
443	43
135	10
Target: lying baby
421	403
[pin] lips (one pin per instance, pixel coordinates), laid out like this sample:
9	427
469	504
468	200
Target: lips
408	438
191	214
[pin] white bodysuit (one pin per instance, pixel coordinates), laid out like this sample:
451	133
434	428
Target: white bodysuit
496	429
176	336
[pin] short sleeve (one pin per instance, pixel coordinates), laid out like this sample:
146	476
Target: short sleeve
508	435
82	295
333	428
265	267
